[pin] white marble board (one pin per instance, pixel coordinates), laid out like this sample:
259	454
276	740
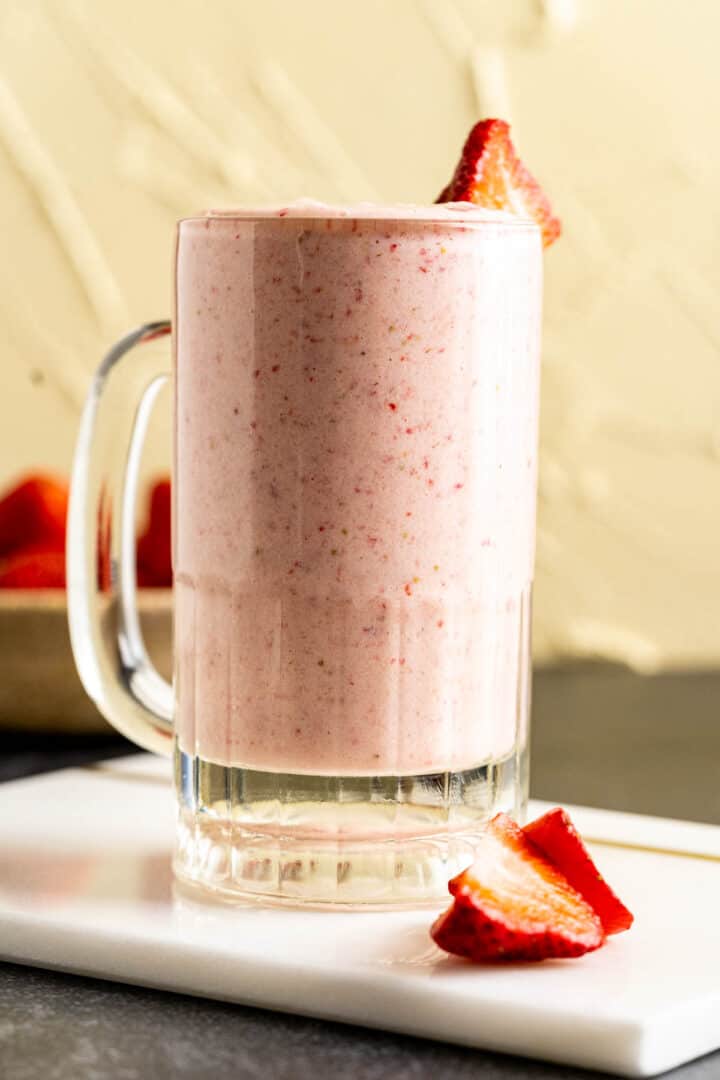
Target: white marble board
85	887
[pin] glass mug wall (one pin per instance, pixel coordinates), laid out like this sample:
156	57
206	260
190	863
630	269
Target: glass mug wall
356	408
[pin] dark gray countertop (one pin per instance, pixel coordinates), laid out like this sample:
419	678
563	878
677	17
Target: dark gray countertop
602	736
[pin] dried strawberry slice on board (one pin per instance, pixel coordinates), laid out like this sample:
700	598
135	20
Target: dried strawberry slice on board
512	904
559	841
491	174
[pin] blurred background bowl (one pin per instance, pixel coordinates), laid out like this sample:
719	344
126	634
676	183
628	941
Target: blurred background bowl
40	689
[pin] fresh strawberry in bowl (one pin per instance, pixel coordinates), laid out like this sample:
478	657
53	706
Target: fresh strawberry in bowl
33	566
491	174
34	511
154	554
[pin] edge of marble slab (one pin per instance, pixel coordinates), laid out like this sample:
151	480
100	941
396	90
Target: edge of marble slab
640	1046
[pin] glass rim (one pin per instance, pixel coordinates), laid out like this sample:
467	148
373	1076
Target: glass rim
465	215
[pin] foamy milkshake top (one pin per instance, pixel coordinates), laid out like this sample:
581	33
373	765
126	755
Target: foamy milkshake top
464	212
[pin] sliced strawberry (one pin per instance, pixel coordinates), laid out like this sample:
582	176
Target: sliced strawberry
512	904
34	512
559	841
34	566
154	555
491	174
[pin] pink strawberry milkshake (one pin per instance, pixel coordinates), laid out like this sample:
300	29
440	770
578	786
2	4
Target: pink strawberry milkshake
355	477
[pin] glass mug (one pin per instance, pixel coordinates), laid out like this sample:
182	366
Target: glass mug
354	488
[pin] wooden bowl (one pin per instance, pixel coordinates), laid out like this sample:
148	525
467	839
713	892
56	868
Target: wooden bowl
39	686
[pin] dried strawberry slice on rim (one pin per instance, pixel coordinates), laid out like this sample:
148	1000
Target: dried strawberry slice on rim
512	904
491	174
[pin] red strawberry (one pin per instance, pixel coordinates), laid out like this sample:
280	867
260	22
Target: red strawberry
34	512
560	842
491	174
34	566
154	556
512	904
104	552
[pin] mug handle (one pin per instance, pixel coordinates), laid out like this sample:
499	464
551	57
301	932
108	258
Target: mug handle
107	641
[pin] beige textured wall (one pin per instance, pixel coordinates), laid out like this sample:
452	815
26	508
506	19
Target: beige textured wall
118	117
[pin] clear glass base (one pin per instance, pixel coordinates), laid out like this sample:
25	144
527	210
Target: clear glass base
346	841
